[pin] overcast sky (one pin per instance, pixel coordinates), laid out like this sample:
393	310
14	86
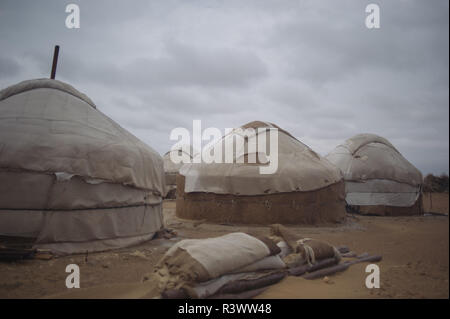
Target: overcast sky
311	67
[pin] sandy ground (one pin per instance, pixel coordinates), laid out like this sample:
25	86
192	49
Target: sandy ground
415	261
435	202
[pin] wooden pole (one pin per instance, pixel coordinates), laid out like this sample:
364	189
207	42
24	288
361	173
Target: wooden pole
55	62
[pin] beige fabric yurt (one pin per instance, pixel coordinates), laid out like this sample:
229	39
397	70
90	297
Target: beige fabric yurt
171	168
72	178
305	189
378	179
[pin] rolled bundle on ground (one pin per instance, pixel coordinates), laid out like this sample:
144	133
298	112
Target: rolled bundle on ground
341	267
235	283
201	267
242	295
298	251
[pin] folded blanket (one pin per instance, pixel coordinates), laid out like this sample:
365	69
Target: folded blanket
226	284
242	285
248	294
212	287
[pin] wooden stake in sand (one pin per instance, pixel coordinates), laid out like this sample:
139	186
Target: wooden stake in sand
55	62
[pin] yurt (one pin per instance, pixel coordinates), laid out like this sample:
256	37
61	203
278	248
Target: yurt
304	189
171	168
378	179
72	179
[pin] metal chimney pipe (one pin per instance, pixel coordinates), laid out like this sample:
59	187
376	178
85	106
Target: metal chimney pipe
55	62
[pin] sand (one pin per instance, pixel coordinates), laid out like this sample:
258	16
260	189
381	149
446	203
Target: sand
415	261
435	202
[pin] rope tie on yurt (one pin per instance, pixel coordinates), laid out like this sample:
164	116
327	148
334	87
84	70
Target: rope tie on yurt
309	252
337	254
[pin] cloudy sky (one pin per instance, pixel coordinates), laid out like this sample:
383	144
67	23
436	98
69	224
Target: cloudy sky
311	67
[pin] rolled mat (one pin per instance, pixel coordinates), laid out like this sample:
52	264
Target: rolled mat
174	294
338	268
245	285
232	289
343	249
375	258
243	295
298	271
326	271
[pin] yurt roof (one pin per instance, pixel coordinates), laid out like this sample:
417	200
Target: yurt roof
187	149
49	126
369	156
299	169
42	84
358	141
169	165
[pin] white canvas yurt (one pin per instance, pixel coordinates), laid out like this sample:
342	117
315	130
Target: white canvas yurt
70	177
378	179
172	168
304	189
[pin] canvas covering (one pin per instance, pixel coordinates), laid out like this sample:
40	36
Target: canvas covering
171	168
299	169
193	261
240	250
71	177
376	173
48	129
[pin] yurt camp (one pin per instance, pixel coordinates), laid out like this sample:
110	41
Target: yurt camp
305	188
172	168
73	180
378	179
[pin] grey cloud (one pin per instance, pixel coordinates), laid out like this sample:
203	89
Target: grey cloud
181	66
8	67
345	45
309	66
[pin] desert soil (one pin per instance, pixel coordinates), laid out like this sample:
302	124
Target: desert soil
415	261
435	202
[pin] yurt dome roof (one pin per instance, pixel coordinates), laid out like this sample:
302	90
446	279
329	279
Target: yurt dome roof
369	156
170	166
49	126
73	179
299	169
358	141
42	84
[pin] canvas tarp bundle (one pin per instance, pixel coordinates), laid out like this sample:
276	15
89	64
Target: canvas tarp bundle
210	263
213	267
376	173
298	250
267	263
205	259
299	168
